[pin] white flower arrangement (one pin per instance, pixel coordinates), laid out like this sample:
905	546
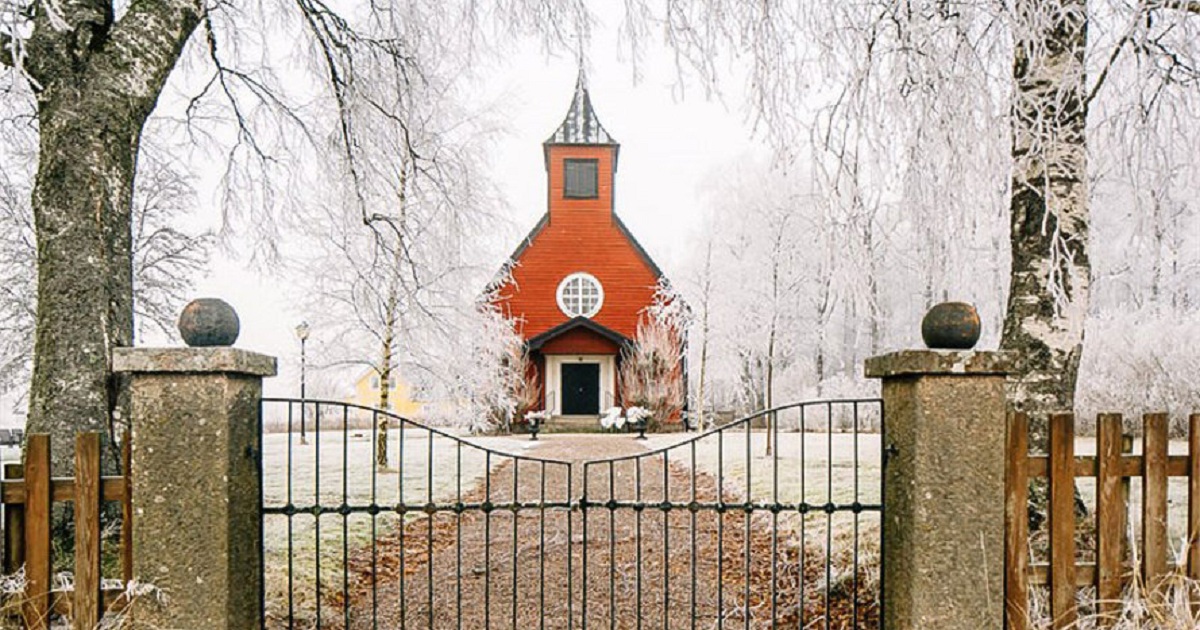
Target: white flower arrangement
634	415
537	416
612	419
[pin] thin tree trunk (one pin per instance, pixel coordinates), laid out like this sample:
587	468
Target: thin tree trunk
385	380
770	389
873	311
391	317
706	292
822	323
99	81
770	384
1049	289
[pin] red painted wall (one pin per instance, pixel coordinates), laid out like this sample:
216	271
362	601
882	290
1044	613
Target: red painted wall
581	235
580	341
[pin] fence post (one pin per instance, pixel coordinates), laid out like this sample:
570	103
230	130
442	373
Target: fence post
196	484
943	483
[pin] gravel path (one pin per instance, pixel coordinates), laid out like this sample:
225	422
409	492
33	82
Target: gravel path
644	568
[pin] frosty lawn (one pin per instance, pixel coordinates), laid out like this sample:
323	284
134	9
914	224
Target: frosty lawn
825	458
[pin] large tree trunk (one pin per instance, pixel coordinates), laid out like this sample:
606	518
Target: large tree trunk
96	85
1048	294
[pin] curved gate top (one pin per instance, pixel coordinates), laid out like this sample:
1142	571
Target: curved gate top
769	521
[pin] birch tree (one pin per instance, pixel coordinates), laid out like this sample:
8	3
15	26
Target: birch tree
1051	271
387	288
934	79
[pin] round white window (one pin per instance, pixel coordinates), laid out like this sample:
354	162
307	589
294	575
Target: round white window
580	295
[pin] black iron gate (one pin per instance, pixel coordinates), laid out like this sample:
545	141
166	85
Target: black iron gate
768	521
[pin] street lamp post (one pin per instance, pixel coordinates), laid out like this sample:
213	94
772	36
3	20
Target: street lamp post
302	333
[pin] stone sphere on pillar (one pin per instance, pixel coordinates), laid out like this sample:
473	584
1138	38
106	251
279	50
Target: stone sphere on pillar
951	326
207	322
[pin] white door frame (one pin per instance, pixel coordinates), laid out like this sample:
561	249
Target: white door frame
553	374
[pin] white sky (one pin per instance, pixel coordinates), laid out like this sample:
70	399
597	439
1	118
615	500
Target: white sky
670	146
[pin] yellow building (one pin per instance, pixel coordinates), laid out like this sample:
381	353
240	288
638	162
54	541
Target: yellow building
400	396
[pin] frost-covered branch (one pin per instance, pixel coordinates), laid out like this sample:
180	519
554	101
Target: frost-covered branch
8	56
1190	6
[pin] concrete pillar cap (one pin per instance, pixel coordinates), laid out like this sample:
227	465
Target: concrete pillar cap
221	360
939	362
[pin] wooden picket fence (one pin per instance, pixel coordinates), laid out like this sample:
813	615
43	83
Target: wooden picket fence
27	536
1112	466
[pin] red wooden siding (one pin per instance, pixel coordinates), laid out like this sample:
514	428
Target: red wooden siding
604	179
581	235
580	341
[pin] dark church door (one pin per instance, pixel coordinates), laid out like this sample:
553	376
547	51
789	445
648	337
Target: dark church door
581	389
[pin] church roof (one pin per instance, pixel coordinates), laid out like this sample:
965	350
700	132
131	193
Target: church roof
581	126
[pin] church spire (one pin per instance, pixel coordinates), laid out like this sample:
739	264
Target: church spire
581	126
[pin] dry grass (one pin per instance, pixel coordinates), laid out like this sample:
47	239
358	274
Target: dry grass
15	616
1167	605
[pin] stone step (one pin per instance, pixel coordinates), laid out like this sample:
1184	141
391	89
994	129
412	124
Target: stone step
574	424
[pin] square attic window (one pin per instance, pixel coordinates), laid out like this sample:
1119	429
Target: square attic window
579	179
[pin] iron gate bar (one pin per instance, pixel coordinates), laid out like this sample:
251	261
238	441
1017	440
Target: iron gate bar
745	538
345	509
748	506
660	512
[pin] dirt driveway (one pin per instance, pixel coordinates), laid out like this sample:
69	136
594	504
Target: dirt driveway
522	564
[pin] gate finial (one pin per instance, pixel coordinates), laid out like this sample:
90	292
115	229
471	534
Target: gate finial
207	322
951	326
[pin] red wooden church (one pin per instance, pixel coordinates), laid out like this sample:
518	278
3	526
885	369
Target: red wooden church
579	281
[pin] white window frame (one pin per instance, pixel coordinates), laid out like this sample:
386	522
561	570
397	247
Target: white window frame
562	306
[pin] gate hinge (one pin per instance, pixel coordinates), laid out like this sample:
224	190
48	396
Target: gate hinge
889	452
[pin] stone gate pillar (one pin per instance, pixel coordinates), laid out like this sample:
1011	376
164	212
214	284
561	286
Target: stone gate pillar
943	484
196	484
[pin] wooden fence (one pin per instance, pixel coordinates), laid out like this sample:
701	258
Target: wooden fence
27	534
1112	466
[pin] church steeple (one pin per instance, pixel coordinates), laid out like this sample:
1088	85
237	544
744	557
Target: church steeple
581	160
581	126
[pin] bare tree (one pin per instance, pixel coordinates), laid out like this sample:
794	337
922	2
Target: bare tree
96	71
702	289
927	83
166	258
650	374
387	287
492	389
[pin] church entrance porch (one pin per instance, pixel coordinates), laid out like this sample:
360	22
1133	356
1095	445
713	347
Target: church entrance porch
579	387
